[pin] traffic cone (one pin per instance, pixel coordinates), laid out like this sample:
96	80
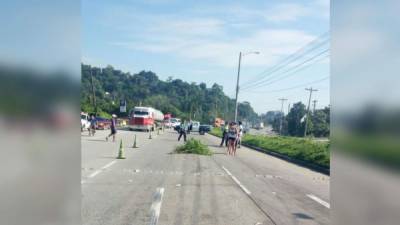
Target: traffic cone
121	151
150	135
134	143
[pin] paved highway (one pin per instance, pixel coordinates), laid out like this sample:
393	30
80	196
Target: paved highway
153	186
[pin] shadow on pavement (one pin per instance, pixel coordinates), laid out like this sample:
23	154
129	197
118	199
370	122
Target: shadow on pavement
302	216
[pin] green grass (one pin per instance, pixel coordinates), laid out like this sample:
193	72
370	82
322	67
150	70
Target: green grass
193	146
216	131
296	148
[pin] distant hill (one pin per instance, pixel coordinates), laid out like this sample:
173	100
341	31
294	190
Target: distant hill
182	99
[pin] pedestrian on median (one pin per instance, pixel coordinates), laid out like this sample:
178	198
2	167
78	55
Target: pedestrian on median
93	125
182	131
224	137
113	127
232	137
240	134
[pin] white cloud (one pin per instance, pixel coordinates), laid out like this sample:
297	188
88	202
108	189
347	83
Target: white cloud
286	12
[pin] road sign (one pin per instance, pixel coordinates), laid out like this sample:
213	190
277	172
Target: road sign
122	106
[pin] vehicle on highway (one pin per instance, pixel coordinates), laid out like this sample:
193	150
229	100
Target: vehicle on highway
259	126
103	123
145	118
175	122
218	122
195	126
204	129
85	123
167	120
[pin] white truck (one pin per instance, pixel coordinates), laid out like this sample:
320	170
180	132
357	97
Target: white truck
145	118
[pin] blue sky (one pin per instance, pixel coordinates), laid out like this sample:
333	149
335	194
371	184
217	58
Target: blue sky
199	41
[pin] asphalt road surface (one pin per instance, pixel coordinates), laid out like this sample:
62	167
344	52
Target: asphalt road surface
153	186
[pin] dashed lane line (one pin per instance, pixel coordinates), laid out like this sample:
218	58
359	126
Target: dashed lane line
320	201
95	173
237	181
156	206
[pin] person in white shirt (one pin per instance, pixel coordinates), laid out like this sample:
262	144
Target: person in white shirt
239	139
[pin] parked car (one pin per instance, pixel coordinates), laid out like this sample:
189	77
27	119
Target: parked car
85	124
175	122
204	129
103	123
195	126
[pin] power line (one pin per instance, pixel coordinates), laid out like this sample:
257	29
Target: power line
291	88
289	59
268	81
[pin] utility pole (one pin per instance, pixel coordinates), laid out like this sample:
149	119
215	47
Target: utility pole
237	81
237	87
93	94
280	125
288	108
314	104
308	108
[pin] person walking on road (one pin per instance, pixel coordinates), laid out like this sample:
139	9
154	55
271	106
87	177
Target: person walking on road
224	137
232	137
182	131
240	134
113	127
93	125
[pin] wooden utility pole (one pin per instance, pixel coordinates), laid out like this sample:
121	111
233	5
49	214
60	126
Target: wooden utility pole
314	105
280	125
308	108
93	93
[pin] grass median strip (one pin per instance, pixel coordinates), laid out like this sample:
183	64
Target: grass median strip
293	147
193	146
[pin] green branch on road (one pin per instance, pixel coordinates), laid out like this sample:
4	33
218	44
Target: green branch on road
193	146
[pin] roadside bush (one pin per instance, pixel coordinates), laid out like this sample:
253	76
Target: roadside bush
193	146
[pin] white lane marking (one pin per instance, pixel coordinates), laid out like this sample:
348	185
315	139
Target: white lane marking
320	201
99	170
156	206
237	181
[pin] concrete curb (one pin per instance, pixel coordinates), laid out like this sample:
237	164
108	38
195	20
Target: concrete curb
298	162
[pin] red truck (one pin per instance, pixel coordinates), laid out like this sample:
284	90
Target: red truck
145	118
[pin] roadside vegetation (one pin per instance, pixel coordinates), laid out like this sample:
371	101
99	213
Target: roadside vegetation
296	148
181	99
193	146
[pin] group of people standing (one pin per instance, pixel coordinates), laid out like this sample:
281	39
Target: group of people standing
232	136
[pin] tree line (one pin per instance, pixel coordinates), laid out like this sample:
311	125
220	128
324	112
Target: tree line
293	124
181	99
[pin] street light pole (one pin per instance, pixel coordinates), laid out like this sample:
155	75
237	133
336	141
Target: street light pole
237	87
237	82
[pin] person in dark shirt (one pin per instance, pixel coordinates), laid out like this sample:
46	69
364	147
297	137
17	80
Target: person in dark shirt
182	131
113	128
93	125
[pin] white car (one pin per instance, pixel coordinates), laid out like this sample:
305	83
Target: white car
85	123
175	122
195	126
